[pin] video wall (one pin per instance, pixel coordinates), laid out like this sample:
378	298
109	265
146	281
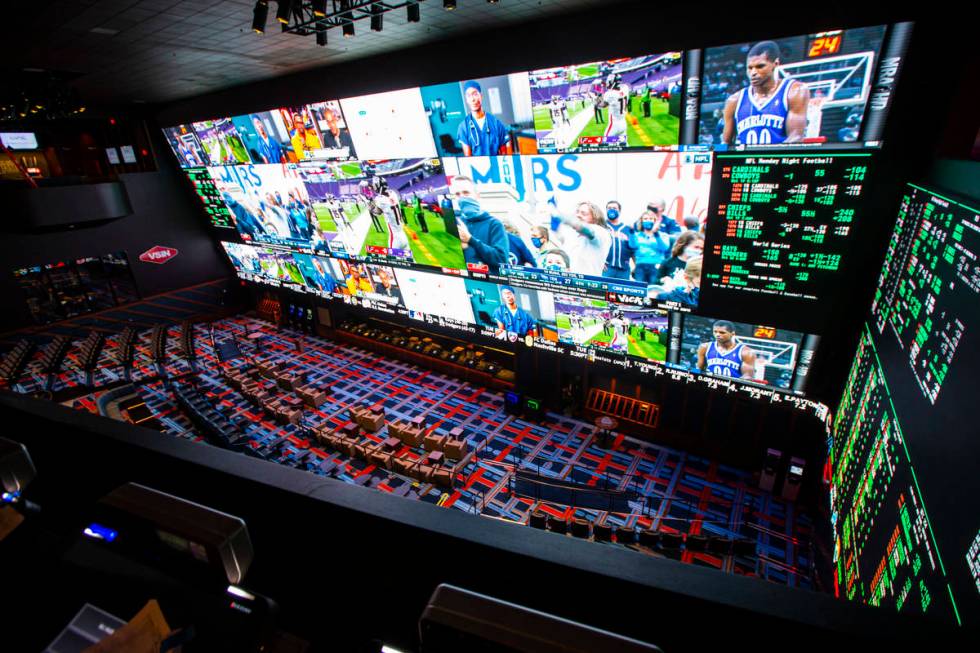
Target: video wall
683	211
903	450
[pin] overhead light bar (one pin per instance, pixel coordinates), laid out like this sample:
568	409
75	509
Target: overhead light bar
259	15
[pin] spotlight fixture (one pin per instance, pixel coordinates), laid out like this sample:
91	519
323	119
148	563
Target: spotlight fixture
348	30
319	8
282	13
321	34
448	5
413	12
492	2
259	16
377	18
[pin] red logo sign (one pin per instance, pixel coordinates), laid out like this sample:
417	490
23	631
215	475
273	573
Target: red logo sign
158	254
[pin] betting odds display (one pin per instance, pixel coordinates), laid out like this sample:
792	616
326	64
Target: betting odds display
610	209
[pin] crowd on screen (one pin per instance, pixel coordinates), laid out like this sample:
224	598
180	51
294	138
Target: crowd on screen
652	248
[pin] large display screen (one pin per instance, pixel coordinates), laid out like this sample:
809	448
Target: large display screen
903	454
586	208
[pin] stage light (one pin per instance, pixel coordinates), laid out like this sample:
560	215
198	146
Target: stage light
492	2
319	8
348	29
448	5
413	12
259	16
377	18
321	34
282	13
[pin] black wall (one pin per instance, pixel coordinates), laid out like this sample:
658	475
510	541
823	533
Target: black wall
165	212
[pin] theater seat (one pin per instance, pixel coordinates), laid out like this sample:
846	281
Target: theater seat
671	541
696	543
744	548
456	449
624	535
602	532
442	477
581	528
650	538
719	546
434	442
557	525
402	466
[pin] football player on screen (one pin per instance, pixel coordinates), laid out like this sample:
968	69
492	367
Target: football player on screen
724	356
772	108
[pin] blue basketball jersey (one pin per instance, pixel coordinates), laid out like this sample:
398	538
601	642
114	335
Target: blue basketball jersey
757	125
729	364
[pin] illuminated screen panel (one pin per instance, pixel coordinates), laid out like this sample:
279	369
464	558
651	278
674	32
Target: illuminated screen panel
904	439
930	275
547	221
269	203
485	116
811	90
221	142
753	353
390	125
186	146
781	225
206	189
611	105
391	214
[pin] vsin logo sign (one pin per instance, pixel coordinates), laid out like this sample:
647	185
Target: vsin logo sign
158	254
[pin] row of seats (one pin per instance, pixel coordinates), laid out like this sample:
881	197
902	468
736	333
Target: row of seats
367	417
127	346
158	343
187	349
278	408
53	354
13	363
347	440
90	350
665	541
214	425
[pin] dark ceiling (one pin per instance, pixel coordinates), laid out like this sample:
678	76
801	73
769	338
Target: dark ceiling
123	51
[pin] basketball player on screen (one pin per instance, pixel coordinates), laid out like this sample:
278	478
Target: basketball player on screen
724	356
772	108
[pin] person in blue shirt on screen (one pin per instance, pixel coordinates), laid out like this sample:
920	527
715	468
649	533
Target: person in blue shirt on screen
510	317
482	236
481	133
652	247
320	279
268	149
246	223
623	244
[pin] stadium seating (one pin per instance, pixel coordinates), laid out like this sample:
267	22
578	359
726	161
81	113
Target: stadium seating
127	346
158	343
187	349
53	354
90	350
13	363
